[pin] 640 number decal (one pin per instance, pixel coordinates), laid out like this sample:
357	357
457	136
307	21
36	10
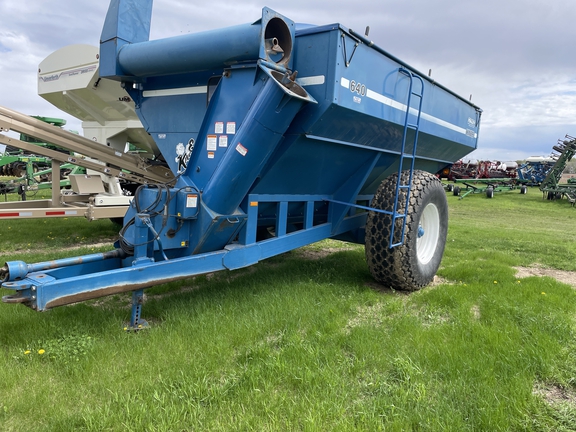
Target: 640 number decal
356	87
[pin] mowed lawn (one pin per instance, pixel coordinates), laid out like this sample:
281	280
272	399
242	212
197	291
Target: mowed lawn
307	340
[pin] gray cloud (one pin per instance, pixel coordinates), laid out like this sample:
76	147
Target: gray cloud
513	57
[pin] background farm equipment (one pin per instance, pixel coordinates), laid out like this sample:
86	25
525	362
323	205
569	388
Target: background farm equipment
33	172
462	170
551	187
280	139
487	186
489	177
535	169
100	173
473	169
497	170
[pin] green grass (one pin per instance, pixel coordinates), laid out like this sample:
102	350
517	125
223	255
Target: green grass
306	340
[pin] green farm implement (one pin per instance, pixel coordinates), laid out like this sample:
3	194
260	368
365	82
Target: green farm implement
551	187
486	186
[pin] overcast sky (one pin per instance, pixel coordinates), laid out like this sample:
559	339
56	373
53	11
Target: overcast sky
515	57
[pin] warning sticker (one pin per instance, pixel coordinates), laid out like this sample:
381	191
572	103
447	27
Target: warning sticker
211	141
219	127
210	155
231	128
191	200
223	141
241	149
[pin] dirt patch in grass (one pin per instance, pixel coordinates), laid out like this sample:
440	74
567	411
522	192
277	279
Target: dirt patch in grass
475	311
554	394
316	254
435	282
366	316
567	277
439	281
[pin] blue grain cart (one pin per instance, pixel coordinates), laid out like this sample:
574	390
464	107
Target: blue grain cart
279	135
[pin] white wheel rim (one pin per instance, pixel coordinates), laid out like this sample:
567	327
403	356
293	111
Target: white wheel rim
428	233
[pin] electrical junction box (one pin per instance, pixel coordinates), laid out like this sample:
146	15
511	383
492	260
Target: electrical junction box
187	203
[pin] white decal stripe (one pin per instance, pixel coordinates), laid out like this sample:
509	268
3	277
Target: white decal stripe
439	122
385	100
175	91
402	107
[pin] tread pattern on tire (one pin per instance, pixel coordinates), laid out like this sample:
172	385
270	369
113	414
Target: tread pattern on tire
398	267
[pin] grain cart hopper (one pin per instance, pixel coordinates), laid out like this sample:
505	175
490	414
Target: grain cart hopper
279	136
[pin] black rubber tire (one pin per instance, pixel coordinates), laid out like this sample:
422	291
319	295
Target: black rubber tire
402	268
523	190
489	192
449	187
456	190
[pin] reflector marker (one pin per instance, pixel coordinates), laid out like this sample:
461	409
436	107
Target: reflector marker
61	213
39	214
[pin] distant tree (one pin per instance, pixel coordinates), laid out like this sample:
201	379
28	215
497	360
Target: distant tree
570	167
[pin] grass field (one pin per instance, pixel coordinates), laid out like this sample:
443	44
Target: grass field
306	340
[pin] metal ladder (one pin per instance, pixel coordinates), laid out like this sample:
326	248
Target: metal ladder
410	155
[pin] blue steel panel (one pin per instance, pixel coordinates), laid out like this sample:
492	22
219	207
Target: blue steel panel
305	166
228	107
374	92
266	122
128	20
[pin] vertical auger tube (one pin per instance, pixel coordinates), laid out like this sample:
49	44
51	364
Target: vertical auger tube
263	128
127	22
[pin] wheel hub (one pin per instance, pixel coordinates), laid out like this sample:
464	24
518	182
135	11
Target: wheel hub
428	233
